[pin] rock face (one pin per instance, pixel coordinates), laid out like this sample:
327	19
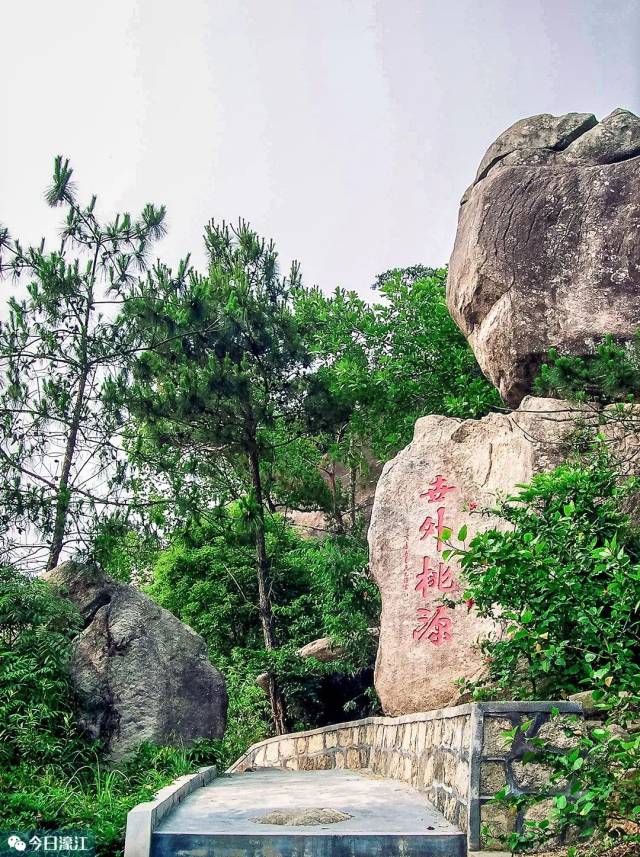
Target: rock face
449	473
322	650
547	252
140	673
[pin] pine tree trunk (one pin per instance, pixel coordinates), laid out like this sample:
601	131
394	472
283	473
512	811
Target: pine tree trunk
276	698
353	475
337	514
62	499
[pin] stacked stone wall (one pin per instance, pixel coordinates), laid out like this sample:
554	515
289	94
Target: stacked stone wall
456	756
498	763
429	751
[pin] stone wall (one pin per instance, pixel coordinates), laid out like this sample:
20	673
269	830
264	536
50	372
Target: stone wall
497	763
456	756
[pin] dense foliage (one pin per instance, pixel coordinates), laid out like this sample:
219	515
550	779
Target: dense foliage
321	588
254	390
36	701
395	359
564	582
611	374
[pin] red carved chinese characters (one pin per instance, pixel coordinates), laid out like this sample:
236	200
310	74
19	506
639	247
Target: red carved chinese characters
433	622
429	527
438	490
439	577
434	627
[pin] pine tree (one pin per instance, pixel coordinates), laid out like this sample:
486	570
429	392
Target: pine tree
58	346
234	367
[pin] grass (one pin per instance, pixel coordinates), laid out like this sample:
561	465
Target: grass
93	796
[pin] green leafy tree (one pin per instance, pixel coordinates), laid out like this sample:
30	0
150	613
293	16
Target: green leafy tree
423	364
57	347
320	587
564	580
234	367
385	365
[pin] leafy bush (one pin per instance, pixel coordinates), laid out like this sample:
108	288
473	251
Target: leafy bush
605	787
565	584
395	360
593	789
36	699
92	796
565	581
206	577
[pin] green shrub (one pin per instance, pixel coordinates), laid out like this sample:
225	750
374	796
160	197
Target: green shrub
36	699
320	587
91	796
565	581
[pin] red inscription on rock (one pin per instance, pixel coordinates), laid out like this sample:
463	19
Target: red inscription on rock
435	627
429	527
433	622
439	576
438	490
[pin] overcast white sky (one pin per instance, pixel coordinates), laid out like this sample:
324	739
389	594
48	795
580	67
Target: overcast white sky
347	130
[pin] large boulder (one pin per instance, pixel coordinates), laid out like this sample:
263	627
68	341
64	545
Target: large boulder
448	476
547	252
140	673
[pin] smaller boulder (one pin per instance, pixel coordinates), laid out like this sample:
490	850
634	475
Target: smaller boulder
542	133
140	674
590	707
322	650
615	138
262	681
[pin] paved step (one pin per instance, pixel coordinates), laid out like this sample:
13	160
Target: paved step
388	818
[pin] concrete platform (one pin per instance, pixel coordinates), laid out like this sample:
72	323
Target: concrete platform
388	818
